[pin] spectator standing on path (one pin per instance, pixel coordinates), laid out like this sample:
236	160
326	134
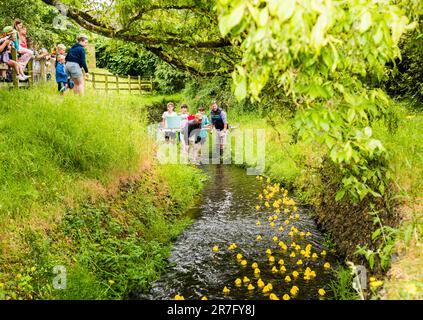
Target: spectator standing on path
75	62
61	76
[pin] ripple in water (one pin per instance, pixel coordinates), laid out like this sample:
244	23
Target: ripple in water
226	214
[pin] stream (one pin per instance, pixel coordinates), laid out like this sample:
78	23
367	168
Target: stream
226	214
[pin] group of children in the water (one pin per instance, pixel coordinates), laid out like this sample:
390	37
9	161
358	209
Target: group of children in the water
192	130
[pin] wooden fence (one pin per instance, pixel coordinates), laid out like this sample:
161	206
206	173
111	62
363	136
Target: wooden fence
109	82
35	76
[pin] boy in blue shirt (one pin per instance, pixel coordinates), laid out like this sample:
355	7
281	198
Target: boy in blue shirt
61	76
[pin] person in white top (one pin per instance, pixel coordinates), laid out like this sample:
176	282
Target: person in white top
184	119
169	113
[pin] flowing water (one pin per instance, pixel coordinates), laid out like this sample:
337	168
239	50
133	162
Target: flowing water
226	214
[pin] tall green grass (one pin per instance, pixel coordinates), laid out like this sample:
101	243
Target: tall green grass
46	142
58	158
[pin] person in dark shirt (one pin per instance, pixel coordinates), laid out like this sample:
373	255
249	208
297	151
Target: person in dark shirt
75	62
192	134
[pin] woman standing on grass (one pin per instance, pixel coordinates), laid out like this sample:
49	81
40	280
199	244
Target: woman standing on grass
75	62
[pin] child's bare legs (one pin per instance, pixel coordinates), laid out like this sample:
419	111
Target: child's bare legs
18	68
79	85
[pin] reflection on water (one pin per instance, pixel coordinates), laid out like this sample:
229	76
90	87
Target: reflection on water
226	214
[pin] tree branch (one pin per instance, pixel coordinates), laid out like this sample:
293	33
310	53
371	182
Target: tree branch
92	24
159	52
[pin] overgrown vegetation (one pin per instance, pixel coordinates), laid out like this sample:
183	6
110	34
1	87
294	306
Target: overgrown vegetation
81	189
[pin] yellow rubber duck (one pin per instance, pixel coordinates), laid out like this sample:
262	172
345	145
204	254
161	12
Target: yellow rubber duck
273	297
294	290
322	292
250	287
326	265
260	283
178	297
287	279
274	269
282	269
246	280
254	265
266	289
259	237
268	251
226	290
238	282
239	256
215	248
286	297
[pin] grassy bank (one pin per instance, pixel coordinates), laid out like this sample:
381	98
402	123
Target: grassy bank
80	189
300	166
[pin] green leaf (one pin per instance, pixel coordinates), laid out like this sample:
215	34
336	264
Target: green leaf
283	9
228	22
371	261
376	234
241	89
339	195
365	22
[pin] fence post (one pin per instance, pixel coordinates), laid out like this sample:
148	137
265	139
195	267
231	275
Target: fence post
93	80
31	72
129	84
43	77
117	84
14	75
107	83
139	84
